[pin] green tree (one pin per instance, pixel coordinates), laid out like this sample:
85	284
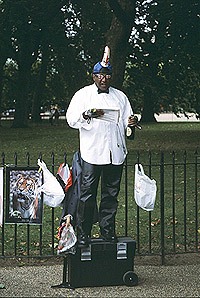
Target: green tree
47	18
32	28
54	45
22	51
163	60
4	48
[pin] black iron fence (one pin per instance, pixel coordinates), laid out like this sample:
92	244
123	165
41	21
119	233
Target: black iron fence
171	228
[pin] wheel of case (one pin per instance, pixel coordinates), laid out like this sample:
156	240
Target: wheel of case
130	279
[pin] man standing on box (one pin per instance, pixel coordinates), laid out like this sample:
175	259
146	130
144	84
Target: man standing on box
102	114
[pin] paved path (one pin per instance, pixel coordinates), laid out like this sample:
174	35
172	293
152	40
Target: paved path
154	281
170	117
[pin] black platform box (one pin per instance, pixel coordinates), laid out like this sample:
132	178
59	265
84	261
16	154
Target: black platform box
102	263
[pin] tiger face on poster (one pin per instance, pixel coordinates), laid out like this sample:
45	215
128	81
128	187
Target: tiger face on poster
24	202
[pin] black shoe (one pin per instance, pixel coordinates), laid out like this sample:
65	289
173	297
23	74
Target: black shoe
109	237
83	240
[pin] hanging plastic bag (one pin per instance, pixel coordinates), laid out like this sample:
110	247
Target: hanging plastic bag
67	239
144	189
53	193
64	176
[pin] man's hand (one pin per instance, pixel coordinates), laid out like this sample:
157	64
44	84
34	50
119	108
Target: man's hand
93	113
133	121
97	113
67	219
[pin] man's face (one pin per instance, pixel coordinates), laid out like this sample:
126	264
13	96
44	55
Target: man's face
102	80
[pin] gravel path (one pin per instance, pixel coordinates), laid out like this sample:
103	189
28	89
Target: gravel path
154	281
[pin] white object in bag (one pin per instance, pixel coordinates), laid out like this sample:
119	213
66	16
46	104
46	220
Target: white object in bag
144	189
67	239
53	193
110	115
65	174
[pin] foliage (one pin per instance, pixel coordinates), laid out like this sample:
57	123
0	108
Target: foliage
163	59
54	45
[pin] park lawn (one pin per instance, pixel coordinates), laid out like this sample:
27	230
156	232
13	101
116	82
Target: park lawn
59	140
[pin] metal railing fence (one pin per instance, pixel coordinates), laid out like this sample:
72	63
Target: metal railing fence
171	228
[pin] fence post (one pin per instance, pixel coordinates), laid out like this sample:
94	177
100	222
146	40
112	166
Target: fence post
150	168
196	201
138	215
15	225
162	213
52	209
126	196
173	202
184	200
3	235
28	225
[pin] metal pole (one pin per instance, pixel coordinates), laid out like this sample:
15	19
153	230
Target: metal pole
162	214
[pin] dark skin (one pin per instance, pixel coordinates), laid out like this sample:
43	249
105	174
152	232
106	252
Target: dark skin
102	83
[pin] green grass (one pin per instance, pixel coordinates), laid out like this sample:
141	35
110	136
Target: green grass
59	139
155	138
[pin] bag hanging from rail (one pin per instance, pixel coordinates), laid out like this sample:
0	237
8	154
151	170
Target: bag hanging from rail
144	189
53	194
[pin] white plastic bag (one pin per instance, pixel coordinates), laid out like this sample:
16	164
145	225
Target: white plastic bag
53	193
144	189
67	239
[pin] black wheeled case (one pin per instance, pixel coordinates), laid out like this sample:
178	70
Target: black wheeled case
103	264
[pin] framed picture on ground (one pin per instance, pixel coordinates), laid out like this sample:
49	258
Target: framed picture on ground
23	202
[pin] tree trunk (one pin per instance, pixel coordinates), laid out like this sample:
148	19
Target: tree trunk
148	110
2	63
36	105
22	98
24	59
21	108
118	35
1	89
198	104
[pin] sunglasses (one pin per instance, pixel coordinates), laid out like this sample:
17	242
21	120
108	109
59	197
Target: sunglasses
100	76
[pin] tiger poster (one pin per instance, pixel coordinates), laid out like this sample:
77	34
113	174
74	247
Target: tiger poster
1	196
24	202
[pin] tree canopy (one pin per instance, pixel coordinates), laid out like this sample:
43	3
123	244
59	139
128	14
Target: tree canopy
49	47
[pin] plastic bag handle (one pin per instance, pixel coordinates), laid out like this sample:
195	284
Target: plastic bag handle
140	168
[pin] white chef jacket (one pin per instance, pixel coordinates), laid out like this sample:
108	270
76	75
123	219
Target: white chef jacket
101	142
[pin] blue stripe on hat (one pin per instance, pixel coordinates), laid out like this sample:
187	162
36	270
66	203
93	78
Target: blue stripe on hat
98	67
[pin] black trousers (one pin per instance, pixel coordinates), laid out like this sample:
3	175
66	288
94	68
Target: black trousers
110	186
